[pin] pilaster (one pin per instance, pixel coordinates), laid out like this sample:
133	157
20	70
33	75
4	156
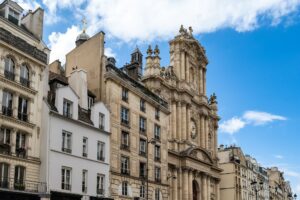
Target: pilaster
178	116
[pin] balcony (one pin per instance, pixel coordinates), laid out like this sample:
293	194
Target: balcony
23	185
67	150
66	186
125	171
23	116
21	152
7	111
125	147
9	75
100	191
4	148
24	81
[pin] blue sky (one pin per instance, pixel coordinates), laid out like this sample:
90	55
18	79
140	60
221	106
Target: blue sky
252	47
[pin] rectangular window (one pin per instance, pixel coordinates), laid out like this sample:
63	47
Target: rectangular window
100	151
66	142
85	147
124	165
157	194
7	99
21	144
84	181
19	178
90	102
143	170
101	121
157	174
124	94
66	178
124	188
100	184
142	191
67	108
13	16
143	125
156	131
157	114
143	105
125	116
22	109
125	140
4	175
157	153
143	146
5	136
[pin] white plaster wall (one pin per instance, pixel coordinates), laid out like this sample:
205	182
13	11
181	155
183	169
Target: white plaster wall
67	93
75	160
97	108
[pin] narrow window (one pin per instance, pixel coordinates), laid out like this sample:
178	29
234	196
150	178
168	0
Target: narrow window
66	178
125	94
125	165
124	116
143	145
157	194
9	69
13	16
67	108
143	125
157	174
157	153
100	151
143	105
21	144
7	99
143	170
19	178
124	188
84	181
157	132
66	142
85	147
157	114
4	175
125	140
142	191
101	121
100	184
24	76
22	109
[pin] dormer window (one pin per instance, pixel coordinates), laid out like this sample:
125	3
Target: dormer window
101	121
13	16
67	108
90	102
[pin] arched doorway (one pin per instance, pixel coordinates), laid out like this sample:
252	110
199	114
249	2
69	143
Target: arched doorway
196	191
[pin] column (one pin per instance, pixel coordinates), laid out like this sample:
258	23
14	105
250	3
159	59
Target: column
204	188
173	125
188	116
187	69
179	184
175	189
199	131
202	134
17	72
183	121
208	188
13	141
178	120
185	185
30	110
201	80
218	189
182	53
15	104
204	81
206	132
190	185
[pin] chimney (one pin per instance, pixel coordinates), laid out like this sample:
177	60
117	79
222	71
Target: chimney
33	21
149	62
78	82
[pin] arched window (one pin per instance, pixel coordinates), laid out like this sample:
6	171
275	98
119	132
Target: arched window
19	183
24	75
9	69
4	175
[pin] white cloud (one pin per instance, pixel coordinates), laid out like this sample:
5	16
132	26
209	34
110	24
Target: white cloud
255	118
233	125
28	4
109	52
260	118
298	189
62	43
146	20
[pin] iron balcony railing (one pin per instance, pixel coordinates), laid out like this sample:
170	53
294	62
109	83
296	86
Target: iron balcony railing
23	185
9	75
21	152
5	148
100	191
24	81
23	116
7	111
66	186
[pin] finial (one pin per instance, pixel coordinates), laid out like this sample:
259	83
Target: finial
213	99
84	24
156	50
149	50
181	30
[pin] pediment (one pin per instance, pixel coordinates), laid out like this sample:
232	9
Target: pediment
198	153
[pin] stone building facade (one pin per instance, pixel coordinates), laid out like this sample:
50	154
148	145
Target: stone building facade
192	139
23	59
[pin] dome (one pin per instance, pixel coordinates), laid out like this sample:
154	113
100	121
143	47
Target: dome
81	38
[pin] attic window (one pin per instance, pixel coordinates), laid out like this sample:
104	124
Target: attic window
13	16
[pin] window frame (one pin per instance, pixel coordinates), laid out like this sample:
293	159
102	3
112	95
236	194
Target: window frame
101	151
84	180
66	185
85	144
67	141
67	108
100	185
125	165
124	188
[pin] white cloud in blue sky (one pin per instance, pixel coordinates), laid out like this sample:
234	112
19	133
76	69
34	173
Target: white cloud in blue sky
254	118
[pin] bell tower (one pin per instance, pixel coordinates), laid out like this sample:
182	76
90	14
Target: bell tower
189	61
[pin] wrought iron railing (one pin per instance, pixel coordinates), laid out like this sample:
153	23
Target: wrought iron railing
9	75
23	116
24	81
23	185
7	111
100	191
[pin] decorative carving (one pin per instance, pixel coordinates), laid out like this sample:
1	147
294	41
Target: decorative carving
156	50
22	45
213	99
149	51
168	73
193	129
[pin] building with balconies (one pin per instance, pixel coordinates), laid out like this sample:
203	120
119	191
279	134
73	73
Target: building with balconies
76	139
23	60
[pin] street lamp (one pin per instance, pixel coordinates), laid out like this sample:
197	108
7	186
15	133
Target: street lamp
256	187
153	142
